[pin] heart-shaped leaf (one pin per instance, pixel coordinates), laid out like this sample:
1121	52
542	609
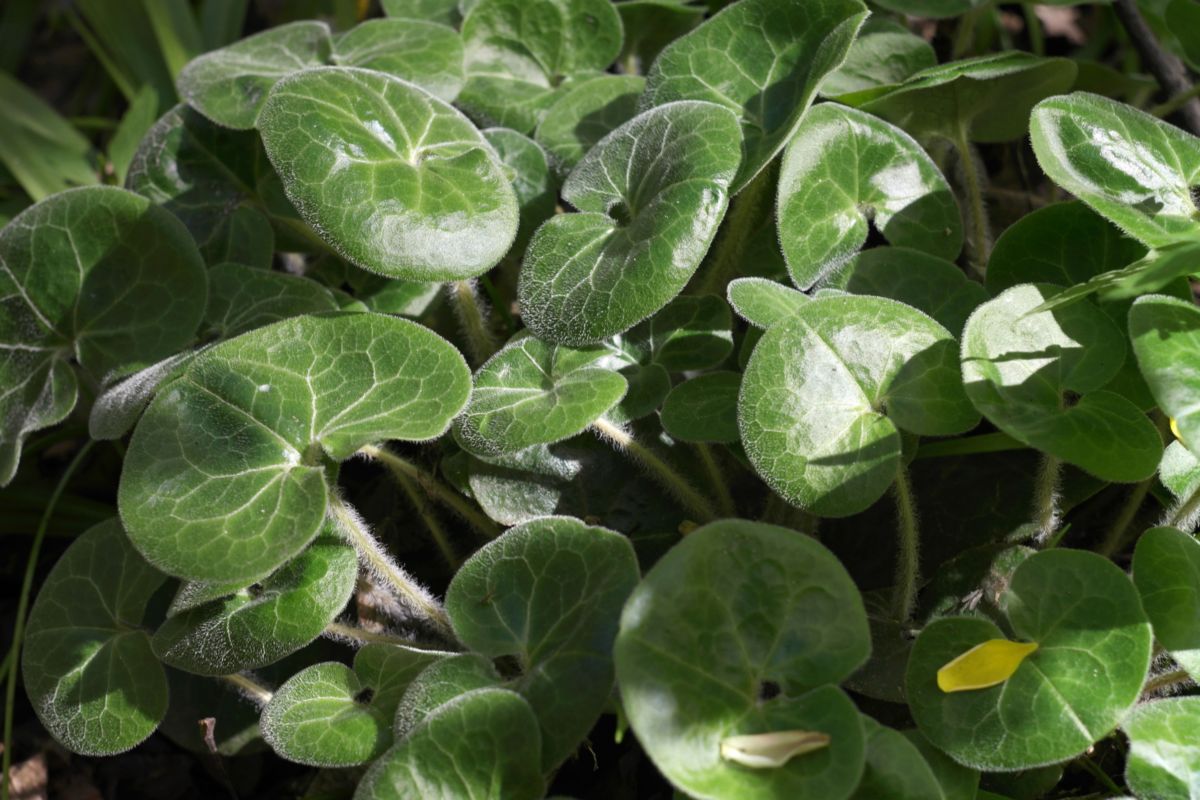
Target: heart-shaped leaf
692	332
763	302
242	298
794	46
1037	376
483	744
1166	335
650	195
846	171
1135	170
1093	652
399	182
118	407
549	593
293	396
260	624
439	683
698	666
424	53
884	53
1166	569
536	393
704	409
87	664
1164	758
985	99
826	394
927	283
330	715
97	275
519	51
585	114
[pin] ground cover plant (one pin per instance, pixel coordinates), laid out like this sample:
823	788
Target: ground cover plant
572	398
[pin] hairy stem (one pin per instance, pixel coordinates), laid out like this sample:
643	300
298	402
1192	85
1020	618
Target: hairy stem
410	593
904	593
249	688
716	481
420	502
473	316
1045	498
1183	515
679	486
13	659
1166	680
439	491
1117	536
353	633
973	185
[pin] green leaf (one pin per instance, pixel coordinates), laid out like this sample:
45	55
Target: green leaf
549	593
585	114
1093	653
704	409
424	53
441	11
826	394
884	53
927	283
1037	376
763	302
87	664
1165	266
519	51
691	332
1166	569
651	25
195	698
230	85
846	171
260	624
243	236
1164	758
650	195
137	120
697	666
96	275
895	768
1135	170
399	182
1179	471
242	298
533	393
532	179
119	405
789	48
988	98
44	153
1165	333
293	396
442	681
329	715
483	745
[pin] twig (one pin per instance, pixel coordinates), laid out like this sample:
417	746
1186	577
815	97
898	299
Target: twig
1166	67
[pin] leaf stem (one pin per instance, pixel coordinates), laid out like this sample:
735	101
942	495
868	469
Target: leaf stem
716	481
1183	515
1169	107
1166	680
679	486
402	467
908	563
473	316
1117	536
420	503
363	636
974	190
14	652
371	552
1045	498
249	688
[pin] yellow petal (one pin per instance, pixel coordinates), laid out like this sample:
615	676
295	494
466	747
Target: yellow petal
769	750
1175	429
986	664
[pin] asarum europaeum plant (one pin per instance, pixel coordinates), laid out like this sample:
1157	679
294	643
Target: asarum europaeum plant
645	377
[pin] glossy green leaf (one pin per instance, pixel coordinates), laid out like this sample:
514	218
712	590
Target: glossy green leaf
519	51
1135	170
1166	569
1093	654
484	745
330	715
95	275
1038	377
763	60
536	393
826	394
697	666
650	197
118	406
927	283
846	171
87	664
1166	335
884	53
549	593
585	114
242	298
990	96
704	409
424	53
763	302
442	681
399	182
262	623
293	396
243	236
692	332
895	768
532	179
1164	755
